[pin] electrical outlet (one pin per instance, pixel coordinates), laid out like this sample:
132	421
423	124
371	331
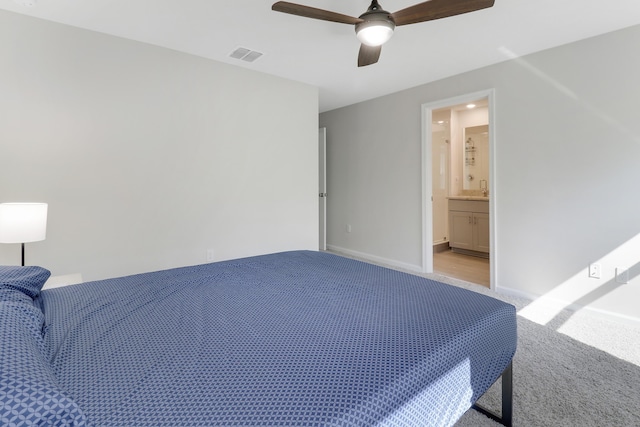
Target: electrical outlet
348	228
595	270
622	275
210	255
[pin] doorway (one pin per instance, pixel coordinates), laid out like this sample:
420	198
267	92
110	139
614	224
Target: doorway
458	181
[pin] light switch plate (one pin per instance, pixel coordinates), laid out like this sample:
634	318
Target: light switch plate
595	270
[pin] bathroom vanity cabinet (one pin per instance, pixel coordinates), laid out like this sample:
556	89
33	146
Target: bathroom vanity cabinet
469	225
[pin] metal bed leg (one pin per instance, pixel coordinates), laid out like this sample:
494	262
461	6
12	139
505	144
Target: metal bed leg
506	418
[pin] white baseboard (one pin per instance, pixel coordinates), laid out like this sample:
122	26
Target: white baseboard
631	320
376	259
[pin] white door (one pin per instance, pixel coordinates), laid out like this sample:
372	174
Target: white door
322	192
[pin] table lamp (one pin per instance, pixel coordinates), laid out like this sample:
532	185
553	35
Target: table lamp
23	223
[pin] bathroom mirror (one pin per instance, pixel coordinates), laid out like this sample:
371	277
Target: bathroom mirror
475	159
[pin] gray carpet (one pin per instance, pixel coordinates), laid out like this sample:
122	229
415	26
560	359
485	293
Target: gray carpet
559	380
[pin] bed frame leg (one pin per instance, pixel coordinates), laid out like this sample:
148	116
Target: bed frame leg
507	400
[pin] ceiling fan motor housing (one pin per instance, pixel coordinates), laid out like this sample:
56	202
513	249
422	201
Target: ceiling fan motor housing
376	27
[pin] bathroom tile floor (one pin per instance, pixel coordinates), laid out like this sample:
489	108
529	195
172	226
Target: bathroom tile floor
464	267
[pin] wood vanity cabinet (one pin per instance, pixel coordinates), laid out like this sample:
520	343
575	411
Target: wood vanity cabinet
469	225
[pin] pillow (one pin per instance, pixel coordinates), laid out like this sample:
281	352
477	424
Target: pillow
17	283
29	391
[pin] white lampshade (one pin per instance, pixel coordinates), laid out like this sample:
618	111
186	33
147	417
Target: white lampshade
23	222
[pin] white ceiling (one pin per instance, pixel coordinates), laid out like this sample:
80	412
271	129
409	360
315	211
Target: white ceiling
324	54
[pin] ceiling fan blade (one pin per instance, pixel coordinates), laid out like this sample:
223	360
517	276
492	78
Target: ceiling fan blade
368	55
312	12
436	9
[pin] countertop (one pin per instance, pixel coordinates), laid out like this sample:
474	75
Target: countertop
478	198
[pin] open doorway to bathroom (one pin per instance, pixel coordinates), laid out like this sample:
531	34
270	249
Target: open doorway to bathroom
461	184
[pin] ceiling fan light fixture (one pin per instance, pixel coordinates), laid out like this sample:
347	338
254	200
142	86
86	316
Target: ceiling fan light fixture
375	27
374	33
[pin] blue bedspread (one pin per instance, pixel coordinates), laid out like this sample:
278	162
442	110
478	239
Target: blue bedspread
291	339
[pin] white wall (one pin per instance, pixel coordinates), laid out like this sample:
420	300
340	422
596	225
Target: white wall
440	173
567	171
149	157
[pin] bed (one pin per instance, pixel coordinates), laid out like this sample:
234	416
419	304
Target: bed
298	338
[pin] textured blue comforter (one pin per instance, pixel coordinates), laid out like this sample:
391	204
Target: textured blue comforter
290	339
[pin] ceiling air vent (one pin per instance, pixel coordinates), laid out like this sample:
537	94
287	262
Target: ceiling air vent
245	54
26	3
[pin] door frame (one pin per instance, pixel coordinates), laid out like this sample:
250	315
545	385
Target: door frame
322	187
427	178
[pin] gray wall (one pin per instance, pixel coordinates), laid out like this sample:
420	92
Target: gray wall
566	169
149	157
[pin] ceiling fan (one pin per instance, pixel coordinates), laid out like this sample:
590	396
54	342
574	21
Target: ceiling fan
375	26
